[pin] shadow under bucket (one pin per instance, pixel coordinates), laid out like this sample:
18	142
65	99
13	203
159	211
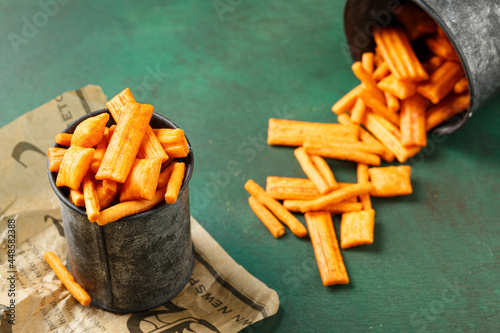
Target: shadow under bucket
138	262
473	27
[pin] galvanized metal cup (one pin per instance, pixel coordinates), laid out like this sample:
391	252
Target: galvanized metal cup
138	262
473	28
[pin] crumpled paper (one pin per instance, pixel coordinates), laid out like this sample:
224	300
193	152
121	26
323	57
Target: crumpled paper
221	296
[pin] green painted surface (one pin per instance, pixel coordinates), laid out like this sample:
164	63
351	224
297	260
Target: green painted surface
435	263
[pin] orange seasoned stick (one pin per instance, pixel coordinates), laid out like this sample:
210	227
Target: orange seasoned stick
76	197
326	248
347	101
175	183
150	146
272	224
363	178
338	208
365	136
122	149
67	279
398	54
389	135
105	195
392	102
310	170
441	82
381	72
391	181
74	166
356	228
276	208
293	133
127	208
378	106
336	196
173	141
100	149
412	126
284	188
64	139
56	156
440	45
338	145
325	171
461	86
142	180
368	81
91	198
367	60
358	111
164	176
400	89
342	153
447	108
90	131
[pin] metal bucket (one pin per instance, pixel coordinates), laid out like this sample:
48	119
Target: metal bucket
473	28
138	262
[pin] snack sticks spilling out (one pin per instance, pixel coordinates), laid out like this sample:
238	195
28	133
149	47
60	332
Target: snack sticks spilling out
121	170
385	117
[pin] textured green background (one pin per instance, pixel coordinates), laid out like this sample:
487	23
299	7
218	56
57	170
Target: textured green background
434	265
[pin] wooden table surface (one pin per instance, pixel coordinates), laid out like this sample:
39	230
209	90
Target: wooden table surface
220	69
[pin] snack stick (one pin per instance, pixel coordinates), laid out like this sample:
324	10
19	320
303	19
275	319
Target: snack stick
150	146
128	208
272	224
90	131
441	82
285	188
367	60
347	101
175	182
343	154
173	141
447	108
338	208
111	132
67	279
325	171
392	102
76	197
326	248
90	195
56	156
390	181
400	89
109	186
398	54
64	139
376	149
375	124
164	176
356	228
365	136
115	104
461	86
142	180
369	84
412	126
276	208
441	46
358	111
336	197
122	149
74	166
378	107
363	178
435	62
105	196
100	149
310	170
381	72
293	133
